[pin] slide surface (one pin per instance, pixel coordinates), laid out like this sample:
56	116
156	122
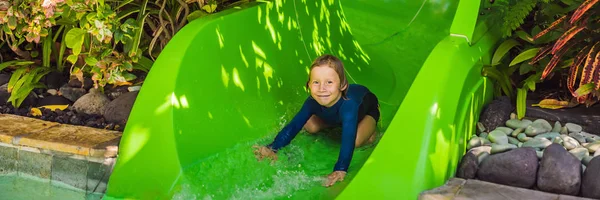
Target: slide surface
231	80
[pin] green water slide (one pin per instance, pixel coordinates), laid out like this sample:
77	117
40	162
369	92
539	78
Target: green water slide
237	76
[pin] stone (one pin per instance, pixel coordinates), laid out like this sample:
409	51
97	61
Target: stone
535	129
71	93
537	143
597	153
564	130
590	182
573	128
559	172
483	135
91	103
517	132
549	135
4	78
499	148
482	157
547	126
517	167
474	142
578	137
54	79
589	137
557	127
586	160
496	113
118	110
446	191
480	127
506	130
30	100
569	142
54	100
134	88
520	144
479	150
512	140
87	83
540	154
515	123
9	158
522	137
593	147
585	116
468	166
557	140
498	137
579	152
52	92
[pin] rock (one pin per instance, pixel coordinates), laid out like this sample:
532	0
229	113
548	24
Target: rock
71	93
87	83
91	103
517	167
4	78
535	129
520	144
134	88
559	172
547	126
496	113
557	127
593	147
506	130
474	142
578	137
498	137
30	100
569	142
515	123
586	160
485	141
573	128
479	150
483	135
480	127
549	135
589	137
579	152
557	140
540	154
512	140
118	110
564	130
54	100
513	115
468	166
597	153
537	143
52	92
517	131
482	157
522	137
499	148
590	182
54	79
585	116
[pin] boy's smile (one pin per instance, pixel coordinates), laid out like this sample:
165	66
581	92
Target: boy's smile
325	85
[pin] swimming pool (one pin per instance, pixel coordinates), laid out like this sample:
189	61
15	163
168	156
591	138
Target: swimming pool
26	187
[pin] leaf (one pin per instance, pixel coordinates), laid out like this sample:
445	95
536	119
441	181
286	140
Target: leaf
524	36
553	104
143	64
499	77
210	8
196	14
502	50
566	37
74	39
588	67
554	61
552	26
579	59
585	6
14	63
584	90
72	58
55	107
521	101
15	77
525	68
128	76
36	112
91	61
525	55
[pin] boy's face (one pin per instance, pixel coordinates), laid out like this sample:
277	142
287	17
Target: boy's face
324	85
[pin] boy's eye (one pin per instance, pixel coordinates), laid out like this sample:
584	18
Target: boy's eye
315	82
329	82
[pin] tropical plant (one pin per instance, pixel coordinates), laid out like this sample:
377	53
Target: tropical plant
559	37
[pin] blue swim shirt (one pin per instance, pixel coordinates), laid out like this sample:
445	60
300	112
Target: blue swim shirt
343	113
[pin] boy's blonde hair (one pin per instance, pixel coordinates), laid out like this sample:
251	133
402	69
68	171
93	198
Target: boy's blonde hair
336	64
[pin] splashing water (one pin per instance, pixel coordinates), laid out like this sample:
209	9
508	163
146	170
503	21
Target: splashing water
297	174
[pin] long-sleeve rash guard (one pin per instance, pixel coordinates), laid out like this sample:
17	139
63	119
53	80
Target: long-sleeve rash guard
344	112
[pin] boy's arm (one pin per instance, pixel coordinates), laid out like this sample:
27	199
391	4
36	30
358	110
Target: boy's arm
287	134
349	128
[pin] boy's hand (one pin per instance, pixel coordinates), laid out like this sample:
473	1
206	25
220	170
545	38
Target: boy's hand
334	177
262	152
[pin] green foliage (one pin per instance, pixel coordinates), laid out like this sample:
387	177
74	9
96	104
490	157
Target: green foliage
510	13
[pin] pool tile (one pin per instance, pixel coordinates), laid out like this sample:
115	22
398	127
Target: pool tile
8	158
70	171
35	164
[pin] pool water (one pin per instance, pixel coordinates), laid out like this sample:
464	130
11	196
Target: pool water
25	187
298	174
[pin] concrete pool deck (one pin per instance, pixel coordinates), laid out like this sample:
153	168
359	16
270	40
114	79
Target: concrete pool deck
76	155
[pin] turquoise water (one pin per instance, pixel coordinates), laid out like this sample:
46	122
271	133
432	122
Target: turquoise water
25	187
298	174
